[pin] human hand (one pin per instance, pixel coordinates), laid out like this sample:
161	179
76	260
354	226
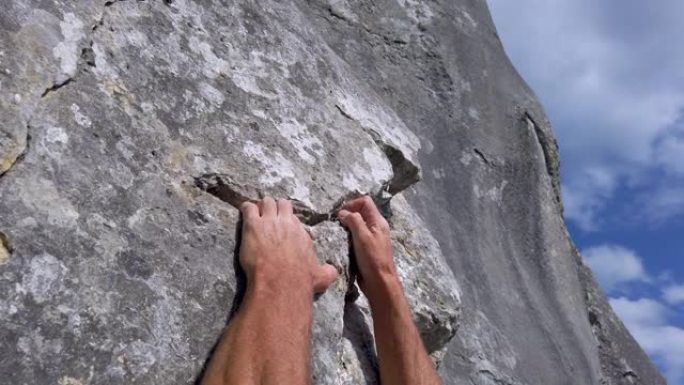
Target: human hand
372	244
277	253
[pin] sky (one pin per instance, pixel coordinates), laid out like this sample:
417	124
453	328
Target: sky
610	75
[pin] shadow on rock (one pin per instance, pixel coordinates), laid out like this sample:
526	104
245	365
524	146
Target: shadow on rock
240	288
356	330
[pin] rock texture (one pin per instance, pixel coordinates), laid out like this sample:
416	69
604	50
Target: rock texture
131	129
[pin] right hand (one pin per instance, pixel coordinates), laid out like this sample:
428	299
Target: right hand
372	244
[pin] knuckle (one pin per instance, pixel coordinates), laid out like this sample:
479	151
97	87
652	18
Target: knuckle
250	225
356	219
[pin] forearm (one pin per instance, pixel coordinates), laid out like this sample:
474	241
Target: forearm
401	355
267	342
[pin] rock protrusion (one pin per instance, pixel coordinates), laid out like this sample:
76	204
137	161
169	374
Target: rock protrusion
431	289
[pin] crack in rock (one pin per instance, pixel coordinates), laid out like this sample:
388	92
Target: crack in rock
551	161
483	157
109	3
405	173
5	249
25	146
85	57
224	188
10	161
56	87
332	15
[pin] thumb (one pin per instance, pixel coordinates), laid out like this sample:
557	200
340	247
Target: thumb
325	276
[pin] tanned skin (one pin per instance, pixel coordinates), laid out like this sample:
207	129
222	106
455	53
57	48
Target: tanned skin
402	357
268	340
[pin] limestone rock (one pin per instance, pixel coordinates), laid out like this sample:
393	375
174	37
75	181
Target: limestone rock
130	130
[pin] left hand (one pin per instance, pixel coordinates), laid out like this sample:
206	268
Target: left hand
277	252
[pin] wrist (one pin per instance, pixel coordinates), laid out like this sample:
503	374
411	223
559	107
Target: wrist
275	285
384	288
278	303
275	315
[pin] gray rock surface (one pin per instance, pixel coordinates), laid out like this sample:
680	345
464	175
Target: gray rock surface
130	130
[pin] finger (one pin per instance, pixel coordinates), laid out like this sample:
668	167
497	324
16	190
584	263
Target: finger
325	276
249	210
284	207
268	207
355	223
304	231
357	204
366	207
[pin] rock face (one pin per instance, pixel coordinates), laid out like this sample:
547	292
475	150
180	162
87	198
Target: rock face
131	129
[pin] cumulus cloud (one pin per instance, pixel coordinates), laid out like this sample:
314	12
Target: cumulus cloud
614	265
648	322
664	203
583	201
612	80
642	312
674	294
611	77
670	154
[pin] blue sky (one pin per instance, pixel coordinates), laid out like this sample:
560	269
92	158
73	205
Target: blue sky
610	75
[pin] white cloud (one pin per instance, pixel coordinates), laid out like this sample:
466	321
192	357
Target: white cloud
614	265
674	294
582	201
664	203
647	320
643	311
612	82
670	153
